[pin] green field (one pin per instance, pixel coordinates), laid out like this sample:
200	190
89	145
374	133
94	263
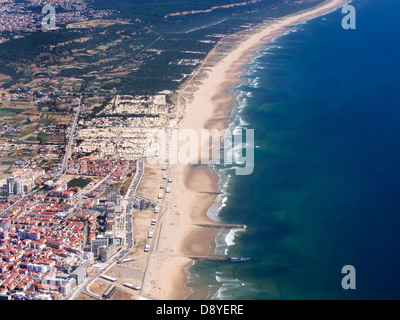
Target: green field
77	182
12	110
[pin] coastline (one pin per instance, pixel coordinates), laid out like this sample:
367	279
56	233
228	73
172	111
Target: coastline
179	237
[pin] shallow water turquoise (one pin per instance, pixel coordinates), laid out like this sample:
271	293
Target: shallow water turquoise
325	106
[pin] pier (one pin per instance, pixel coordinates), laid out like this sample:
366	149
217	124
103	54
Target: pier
222	226
222	259
210	192
210	258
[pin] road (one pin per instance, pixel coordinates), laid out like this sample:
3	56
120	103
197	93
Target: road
136	180
131	191
20	201
71	136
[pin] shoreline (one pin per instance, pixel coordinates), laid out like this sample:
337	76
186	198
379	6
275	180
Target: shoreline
196	187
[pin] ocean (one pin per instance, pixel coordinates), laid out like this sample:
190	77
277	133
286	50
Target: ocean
325	191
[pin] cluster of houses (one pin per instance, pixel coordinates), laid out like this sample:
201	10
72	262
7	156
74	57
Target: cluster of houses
23	16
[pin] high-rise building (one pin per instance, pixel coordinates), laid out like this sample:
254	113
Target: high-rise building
101	240
118	199
15	186
79	274
10	185
18	187
5	224
112	194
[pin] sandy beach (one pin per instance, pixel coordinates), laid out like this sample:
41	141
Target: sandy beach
205	102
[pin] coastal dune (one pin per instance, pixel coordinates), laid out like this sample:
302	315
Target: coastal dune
195	187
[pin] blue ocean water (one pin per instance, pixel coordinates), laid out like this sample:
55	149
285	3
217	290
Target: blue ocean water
325	106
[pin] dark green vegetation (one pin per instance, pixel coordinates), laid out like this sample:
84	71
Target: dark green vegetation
11	110
79	183
32	45
141	57
189	36
157	13
154	12
156	9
